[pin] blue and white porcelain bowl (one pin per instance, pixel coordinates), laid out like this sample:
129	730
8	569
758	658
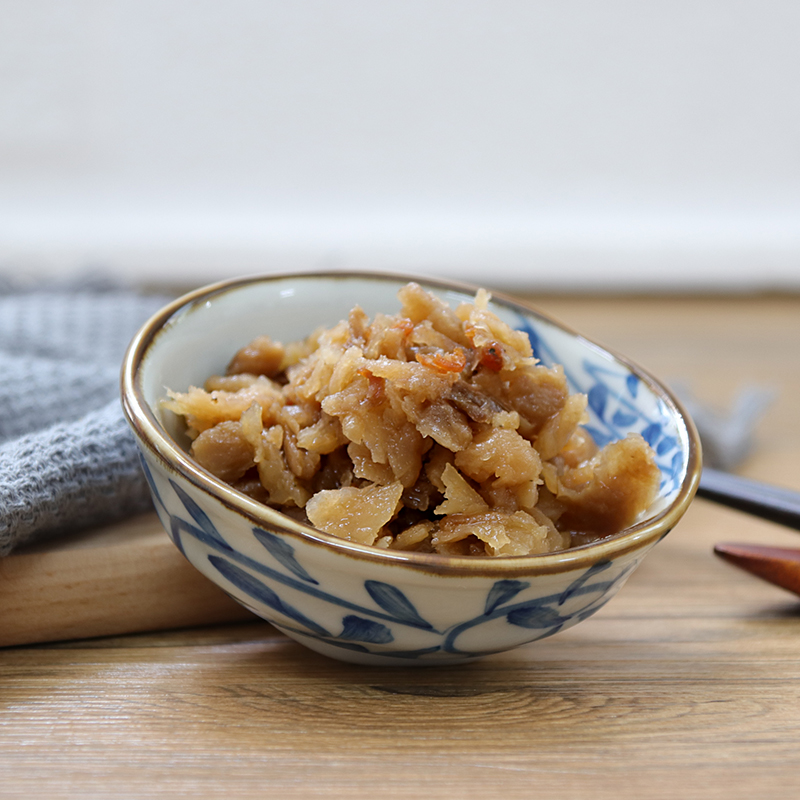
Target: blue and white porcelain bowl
364	604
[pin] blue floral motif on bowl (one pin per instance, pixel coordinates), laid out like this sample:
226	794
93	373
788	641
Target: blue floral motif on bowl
261	585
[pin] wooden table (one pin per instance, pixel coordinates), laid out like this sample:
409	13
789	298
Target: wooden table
686	685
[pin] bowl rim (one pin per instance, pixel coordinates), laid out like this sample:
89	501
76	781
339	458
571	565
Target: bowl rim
151	434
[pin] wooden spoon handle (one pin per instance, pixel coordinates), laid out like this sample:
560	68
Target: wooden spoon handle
777	565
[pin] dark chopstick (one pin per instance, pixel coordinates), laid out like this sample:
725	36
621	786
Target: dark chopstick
759	499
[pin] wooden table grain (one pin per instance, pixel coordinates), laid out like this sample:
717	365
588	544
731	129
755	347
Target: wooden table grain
686	685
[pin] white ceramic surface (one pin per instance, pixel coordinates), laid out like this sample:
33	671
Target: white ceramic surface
355	602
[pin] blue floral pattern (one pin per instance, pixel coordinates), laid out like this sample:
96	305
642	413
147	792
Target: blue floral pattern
268	583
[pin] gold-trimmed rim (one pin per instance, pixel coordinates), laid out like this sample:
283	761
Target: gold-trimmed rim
151	434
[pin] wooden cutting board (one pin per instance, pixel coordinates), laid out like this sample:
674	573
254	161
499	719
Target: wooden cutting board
124	578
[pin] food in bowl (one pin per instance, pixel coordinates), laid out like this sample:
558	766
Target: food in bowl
432	430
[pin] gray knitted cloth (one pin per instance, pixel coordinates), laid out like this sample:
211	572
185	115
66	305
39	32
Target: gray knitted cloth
67	457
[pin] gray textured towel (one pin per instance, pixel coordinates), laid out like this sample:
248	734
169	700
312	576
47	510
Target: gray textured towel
67	457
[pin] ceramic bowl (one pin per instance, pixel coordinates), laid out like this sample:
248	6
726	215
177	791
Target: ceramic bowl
360	603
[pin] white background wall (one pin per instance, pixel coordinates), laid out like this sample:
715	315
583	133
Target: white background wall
562	144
